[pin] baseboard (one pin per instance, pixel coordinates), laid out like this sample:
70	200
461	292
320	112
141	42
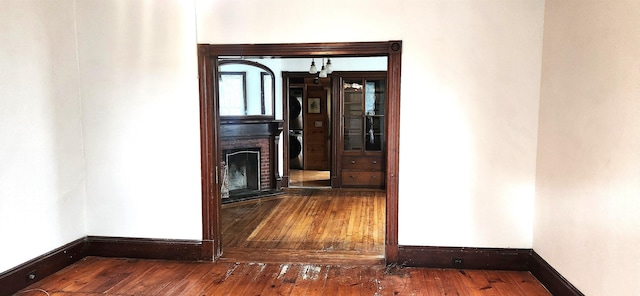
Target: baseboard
25	274
465	258
489	259
144	248
42	266
550	278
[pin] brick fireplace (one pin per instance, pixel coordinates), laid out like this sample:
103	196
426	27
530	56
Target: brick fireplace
249	159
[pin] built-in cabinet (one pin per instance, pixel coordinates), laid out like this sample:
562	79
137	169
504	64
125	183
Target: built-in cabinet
362	108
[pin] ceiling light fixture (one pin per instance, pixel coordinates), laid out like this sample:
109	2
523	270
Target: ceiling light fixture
313	69
329	67
323	71
326	69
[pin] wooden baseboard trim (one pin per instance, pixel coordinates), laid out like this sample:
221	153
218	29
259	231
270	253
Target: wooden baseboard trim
550	278
25	274
145	248
489	259
42	266
465	258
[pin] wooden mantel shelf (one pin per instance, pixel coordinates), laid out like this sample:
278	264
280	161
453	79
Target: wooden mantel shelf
250	128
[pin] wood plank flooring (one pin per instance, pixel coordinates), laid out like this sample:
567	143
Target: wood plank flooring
112	276
309	178
307	225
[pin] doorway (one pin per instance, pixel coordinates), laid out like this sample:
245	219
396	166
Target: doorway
210	126
309	121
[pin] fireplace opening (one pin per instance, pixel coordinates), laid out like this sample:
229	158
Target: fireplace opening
243	171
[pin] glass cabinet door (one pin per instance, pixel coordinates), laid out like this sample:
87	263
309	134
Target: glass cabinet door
363	114
374	114
352	114
353	133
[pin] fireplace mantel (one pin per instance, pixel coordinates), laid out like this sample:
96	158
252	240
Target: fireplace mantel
250	128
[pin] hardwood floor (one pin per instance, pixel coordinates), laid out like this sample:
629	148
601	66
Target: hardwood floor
309	178
307	225
110	276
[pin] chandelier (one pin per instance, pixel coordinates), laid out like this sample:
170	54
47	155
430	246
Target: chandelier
326	69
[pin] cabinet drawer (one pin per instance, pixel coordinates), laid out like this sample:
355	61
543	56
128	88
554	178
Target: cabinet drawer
363	163
369	179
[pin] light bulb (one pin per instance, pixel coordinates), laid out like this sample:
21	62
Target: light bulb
323	73
329	67
313	69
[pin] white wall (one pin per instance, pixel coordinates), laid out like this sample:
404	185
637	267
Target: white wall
470	89
138	66
588	181
42	183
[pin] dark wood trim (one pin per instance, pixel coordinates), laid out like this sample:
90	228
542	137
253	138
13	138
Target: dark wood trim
210	152
283	182
285	129
469	258
209	121
336	131
145	248
343	49
17	278
394	63
274	147
250	129
550	278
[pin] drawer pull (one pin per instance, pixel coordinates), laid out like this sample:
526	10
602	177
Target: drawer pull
353	162
373	176
375	162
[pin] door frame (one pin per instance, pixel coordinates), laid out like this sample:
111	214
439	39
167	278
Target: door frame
210	125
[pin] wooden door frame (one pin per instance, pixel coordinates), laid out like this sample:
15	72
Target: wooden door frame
210	125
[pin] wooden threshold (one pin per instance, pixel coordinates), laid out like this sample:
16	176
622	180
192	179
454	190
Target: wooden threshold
287	256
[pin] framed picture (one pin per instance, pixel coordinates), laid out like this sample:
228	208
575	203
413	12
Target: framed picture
313	106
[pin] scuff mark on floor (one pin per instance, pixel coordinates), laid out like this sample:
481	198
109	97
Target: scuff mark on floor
230	271
283	270
310	272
